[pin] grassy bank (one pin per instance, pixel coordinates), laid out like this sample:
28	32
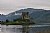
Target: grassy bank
17	22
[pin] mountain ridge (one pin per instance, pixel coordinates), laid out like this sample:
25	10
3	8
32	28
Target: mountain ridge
38	15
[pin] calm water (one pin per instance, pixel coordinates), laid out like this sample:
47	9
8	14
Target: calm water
11	29
18	28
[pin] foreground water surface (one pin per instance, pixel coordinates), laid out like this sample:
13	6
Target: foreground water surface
18	28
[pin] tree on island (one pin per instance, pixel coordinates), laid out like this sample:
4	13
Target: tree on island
7	20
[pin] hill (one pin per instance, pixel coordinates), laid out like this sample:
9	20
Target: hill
37	15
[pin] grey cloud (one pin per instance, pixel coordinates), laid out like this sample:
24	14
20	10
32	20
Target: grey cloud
12	5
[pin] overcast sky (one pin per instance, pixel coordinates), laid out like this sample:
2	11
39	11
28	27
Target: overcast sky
8	6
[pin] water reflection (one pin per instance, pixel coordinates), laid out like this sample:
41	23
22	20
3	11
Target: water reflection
18	28
11	29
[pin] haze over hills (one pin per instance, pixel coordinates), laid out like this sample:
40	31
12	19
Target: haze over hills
37	15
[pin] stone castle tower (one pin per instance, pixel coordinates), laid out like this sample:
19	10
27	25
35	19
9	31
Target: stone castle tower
25	15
